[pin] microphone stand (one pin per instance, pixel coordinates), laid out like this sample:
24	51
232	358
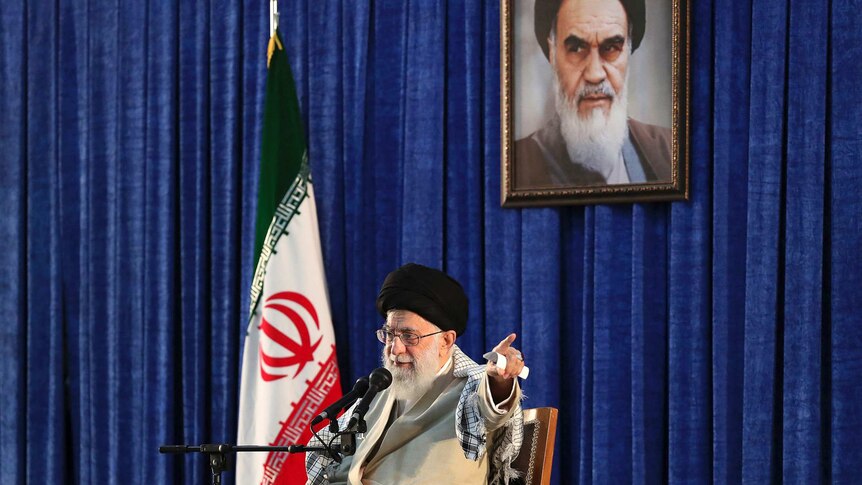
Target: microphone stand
217	453
348	436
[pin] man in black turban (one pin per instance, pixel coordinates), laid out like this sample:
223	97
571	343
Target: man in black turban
590	140
442	418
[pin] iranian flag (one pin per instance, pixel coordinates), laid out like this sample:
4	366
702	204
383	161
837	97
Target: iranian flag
289	370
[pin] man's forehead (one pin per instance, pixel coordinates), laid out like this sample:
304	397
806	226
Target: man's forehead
591	16
405	319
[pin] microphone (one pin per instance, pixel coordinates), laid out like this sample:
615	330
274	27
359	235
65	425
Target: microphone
332	411
379	380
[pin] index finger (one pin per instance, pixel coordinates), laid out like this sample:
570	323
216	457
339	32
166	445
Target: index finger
506	342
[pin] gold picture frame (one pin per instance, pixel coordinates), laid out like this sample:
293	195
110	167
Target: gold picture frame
536	167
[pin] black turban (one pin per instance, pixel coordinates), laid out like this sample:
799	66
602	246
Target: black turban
546	12
430	293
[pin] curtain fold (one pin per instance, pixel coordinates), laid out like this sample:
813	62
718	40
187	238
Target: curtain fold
731	100
14	183
689	356
42	357
196	197
161	299
761	440
841	410
648	342
803	244
711	340
611	394
462	164
424	71
586	354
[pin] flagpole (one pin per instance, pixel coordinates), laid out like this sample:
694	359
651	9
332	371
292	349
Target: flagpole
273	16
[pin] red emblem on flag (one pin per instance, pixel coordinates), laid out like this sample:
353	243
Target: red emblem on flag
301	352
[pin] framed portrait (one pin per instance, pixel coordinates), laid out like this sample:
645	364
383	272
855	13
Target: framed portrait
594	100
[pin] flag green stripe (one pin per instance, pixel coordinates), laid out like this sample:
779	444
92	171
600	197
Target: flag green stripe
283	145
282	155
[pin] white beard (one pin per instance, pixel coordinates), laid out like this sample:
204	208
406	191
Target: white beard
597	141
411	383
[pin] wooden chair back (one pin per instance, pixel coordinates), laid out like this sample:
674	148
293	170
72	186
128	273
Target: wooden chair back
537	451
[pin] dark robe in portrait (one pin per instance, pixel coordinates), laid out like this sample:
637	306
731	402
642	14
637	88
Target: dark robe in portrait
541	160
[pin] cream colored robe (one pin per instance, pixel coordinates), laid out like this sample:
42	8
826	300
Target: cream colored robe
420	445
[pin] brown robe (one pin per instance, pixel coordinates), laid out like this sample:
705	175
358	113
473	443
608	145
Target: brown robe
542	162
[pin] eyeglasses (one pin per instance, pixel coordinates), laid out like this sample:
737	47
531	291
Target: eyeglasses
409	339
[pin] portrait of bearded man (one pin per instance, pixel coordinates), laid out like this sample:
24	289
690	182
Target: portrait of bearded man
589	138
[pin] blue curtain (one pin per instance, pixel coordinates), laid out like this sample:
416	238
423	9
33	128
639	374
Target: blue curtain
714	340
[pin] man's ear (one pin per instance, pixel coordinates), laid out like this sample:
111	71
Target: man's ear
448	340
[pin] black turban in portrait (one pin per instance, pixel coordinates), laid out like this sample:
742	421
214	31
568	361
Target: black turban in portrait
430	293
546	12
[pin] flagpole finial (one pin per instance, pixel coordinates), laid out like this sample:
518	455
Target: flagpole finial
273	26
274	43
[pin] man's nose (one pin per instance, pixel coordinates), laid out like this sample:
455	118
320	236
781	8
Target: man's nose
595	71
397	346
